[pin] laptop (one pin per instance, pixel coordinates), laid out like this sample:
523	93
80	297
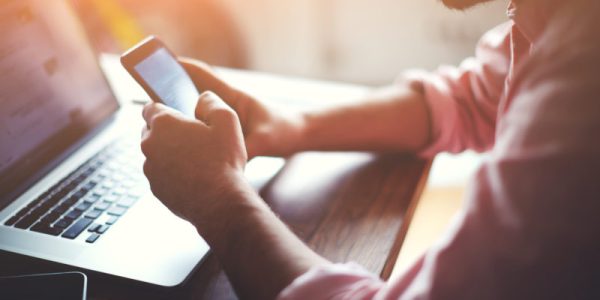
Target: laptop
72	190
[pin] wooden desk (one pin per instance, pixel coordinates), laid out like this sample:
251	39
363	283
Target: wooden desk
346	206
439	202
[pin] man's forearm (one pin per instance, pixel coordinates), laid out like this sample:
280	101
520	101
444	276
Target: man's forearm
392	119
253	244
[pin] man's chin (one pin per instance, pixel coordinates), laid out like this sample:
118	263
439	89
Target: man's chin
462	4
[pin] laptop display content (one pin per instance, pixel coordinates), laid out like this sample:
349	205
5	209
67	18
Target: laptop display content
52	92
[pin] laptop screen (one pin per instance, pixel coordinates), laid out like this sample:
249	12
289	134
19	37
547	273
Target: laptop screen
52	91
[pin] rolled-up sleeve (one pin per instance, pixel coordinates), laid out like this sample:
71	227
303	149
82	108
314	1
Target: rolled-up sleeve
463	104
463	101
529	228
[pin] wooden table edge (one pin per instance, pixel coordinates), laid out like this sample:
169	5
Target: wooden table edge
390	263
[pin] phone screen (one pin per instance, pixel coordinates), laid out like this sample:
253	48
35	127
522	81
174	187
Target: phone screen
169	81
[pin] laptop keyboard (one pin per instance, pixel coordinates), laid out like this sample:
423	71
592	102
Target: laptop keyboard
91	198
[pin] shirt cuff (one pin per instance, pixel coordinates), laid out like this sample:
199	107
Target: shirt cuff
438	100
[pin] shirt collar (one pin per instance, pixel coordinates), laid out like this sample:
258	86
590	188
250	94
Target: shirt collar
532	16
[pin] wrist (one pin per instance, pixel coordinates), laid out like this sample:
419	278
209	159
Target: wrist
217	220
302	124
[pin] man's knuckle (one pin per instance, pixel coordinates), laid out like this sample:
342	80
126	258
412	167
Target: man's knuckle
162	119
146	168
225	114
145	146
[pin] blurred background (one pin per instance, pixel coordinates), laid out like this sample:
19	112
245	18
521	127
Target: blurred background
358	41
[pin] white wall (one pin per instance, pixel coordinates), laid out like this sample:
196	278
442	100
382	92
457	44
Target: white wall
366	41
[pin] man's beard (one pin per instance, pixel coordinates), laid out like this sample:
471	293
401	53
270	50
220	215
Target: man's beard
462	4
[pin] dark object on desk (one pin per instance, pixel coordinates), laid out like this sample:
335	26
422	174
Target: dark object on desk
49	286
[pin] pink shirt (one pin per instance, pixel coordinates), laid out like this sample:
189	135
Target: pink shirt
530	228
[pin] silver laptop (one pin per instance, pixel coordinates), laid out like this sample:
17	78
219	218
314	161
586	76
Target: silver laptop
71	186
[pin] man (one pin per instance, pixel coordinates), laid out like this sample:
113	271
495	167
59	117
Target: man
529	228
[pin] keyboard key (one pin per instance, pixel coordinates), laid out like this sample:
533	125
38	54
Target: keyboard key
111	198
100	191
118	177
80	193
97	178
55	198
93	214
117	211
23	211
112	220
43	207
137	192
127	201
38	211
94	227
108	184
83	206
93	237
102	229
71	200
58	196
90	185
26	221
50	218
62	208
12	221
119	191
93	198
104	173
88	172
71	186
73	214
77	228
45	228
128	183
35	202
63	223
99	162
79	179
103	205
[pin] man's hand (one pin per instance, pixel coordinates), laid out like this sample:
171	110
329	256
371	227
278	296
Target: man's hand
267	131
391	119
195	167
192	164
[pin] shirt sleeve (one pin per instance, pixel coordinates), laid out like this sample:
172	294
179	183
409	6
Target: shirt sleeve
529	228
334	281
463	101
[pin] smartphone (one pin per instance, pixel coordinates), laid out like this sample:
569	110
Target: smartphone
159	73
63	286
